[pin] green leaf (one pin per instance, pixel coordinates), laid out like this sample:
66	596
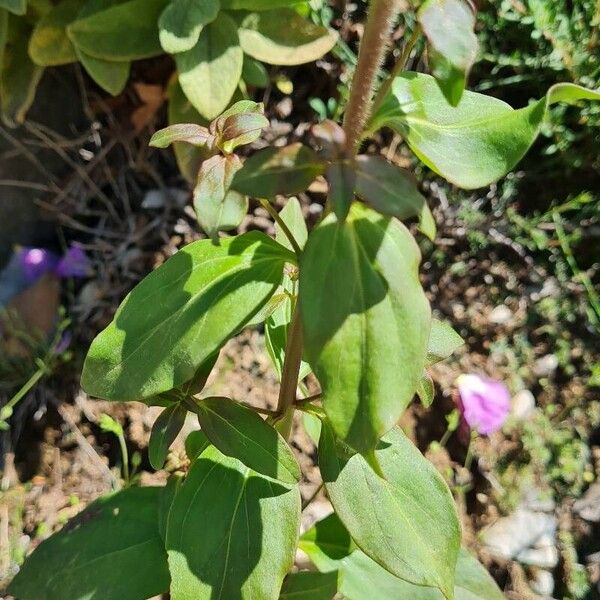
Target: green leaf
165	501
182	21
310	586
181	314
217	206
195	444
392	191
283	37
364	314
17	7
257	4
4	16
237	130
112	550
123	32
426	390
329	546
232	533
448	26
19	76
273	171
406	522
238	431
189	158
209	73
111	76
474	143
190	133
254	73
291	215
443	342
164	431
49	44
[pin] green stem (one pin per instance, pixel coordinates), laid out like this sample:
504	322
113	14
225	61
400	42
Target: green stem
398	68
373	47
125	457
469	457
290	373
27	386
446	437
286	231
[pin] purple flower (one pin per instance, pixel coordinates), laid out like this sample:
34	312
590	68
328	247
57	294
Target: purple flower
36	262
74	263
63	343
484	403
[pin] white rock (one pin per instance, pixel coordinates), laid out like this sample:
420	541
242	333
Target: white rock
509	536
500	315
523	404
538	500
543	555
588	506
546	365
543	583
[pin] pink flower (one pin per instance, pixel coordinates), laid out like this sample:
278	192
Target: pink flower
484	403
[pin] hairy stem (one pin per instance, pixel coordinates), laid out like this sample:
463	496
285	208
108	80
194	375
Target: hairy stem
373	47
290	371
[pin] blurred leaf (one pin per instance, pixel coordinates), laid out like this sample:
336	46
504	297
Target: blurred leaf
249	546
19	76
164	431
406	522
273	171
49	44
474	143
448	26
190	133
257	4
111	76
17	7
239	432
157	340
254	73
443	342
364	313
426	390
306	585
283	37
182	21
392	191
112	550
209	73
122	32
217	206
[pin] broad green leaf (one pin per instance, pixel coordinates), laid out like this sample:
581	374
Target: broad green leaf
283	37
474	143
182	21
164	431
190	133
328	546
189	158
448	26
217	206
110	75
273	171
364	315
254	73
165	501
181	314
443	342
307	585
291	215
426	390
195	444
238	431
122	32
406	522
17	7
209	73
19	76
112	550
257	4
392	191
49	44
232	533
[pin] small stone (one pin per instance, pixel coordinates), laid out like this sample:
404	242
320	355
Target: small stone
588	506
154	199
543	555
510	535
523	405
542	583
545	366
500	315
538	500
